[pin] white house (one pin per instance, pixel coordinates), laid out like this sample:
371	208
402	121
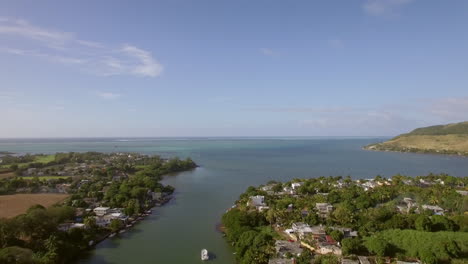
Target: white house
296	185
324	208
101	211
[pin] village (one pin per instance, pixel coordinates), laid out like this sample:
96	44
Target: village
101	194
305	217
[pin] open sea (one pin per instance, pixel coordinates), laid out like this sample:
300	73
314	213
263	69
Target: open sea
176	232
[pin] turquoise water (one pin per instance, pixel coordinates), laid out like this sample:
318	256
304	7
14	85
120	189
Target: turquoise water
178	231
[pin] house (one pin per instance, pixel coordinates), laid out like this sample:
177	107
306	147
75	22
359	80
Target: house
464	193
258	202
363	260
301	229
67	226
283	247
437	210
101	211
105	220
329	249
281	261
318	230
349	261
406	205
296	185
324	208
347	232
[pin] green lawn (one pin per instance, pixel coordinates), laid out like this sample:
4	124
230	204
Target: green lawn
45	177
45	158
42	159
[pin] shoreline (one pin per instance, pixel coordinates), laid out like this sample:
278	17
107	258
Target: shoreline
426	152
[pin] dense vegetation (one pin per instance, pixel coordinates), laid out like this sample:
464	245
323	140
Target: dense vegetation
34	238
250	234
457	128
449	139
430	247
383	229
116	180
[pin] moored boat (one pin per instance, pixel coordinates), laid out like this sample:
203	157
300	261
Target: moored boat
204	254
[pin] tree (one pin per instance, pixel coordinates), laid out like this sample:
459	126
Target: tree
352	246
90	222
377	245
423	223
337	235
115	225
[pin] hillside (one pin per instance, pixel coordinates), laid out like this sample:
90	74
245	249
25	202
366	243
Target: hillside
442	139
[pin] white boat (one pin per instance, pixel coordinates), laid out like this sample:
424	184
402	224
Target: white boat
204	254
112	235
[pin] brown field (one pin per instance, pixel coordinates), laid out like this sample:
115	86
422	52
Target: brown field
16	204
7	175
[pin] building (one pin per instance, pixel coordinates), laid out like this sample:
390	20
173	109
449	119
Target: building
67	226
437	210
258	202
363	260
349	261
101	211
283	247
301	229
329	249
296	185
324	208
281	261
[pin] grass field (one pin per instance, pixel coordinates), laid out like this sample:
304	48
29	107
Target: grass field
41	159
13	205
425	142
45	177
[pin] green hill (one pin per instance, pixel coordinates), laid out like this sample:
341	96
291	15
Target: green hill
442	139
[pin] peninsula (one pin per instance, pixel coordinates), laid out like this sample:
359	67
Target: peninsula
451	139
52	207
332	220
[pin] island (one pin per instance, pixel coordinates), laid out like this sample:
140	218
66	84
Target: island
53	207
340	220
451	139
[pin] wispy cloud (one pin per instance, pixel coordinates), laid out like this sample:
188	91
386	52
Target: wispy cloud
377	120
268	52
25	39
384	7
336	43
108	95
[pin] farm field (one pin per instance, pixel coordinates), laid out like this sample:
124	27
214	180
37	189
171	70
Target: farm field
16	204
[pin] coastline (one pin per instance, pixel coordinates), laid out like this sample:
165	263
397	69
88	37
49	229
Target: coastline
415	151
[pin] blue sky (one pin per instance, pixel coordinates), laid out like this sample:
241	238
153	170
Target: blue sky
231	68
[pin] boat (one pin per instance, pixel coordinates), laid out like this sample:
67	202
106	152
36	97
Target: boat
204	254
112	235
122	231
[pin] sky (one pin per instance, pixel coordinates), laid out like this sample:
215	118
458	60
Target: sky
231	68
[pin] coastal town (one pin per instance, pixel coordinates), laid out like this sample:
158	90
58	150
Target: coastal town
102	195
341	220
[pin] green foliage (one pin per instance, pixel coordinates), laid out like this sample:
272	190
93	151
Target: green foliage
457	128
431	247
351	246
250	234
378	246
326	259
